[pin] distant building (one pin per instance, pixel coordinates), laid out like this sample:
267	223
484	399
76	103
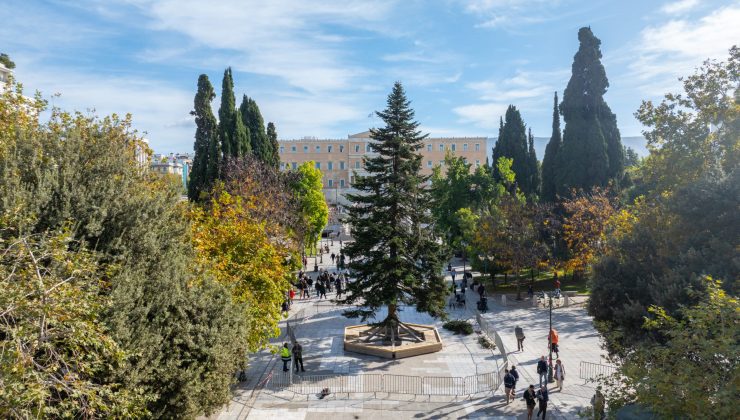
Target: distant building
5	73
340	159
173	164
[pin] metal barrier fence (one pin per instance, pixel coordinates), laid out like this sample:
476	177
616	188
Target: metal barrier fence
488	329
593	371
385	383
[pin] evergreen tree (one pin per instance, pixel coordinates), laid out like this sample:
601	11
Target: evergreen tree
226	116
590	135
272	138
533	167
512	144
395	258
550	161
240	136
252	118
206	159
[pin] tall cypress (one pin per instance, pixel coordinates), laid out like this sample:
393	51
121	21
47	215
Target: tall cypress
550	161
226	115
272	138
533	167
590	127
250	114
512	143
207	153
395	258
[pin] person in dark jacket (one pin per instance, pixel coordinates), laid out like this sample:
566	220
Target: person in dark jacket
509	384
515	374
543	397
531	398
542	370
298	356
519	333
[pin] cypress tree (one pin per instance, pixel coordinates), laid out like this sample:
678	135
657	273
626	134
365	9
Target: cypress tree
272	138
396	259
590	128
226	115
550	161
512	144
252	118
534	167
206	155
240	136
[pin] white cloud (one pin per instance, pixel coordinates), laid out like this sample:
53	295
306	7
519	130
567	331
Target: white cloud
678	7
675	48
484	115
509	13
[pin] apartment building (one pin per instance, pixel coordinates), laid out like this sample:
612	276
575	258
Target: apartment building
340	159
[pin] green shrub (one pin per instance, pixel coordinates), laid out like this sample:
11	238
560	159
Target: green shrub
485	342
459	326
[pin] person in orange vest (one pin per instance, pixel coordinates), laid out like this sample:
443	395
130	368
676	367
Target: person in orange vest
553	340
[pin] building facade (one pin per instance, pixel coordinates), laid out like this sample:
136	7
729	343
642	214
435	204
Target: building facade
340	159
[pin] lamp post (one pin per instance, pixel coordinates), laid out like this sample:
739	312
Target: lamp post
550	378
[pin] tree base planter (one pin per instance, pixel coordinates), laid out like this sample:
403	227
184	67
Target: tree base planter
427	341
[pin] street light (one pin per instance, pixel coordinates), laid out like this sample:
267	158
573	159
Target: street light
550	378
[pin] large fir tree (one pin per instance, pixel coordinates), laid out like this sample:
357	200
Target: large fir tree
206	139
512	144
591	136
272	138
395	257
550	161
252	118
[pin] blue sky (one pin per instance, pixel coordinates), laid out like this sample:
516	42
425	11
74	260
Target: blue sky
320	68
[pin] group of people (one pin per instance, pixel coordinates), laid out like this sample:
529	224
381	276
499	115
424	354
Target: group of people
295	354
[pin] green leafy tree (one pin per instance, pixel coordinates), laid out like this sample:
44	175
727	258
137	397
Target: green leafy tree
631	158
308	189
275	146
58	359
207	150
395	259
695	371
591	151
451	192
512	144
550	162
260	144
694	134
90	182
6	61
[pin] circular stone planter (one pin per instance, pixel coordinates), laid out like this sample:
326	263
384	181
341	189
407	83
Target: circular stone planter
354	342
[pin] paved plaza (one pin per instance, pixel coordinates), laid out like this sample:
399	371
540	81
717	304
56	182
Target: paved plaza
321	336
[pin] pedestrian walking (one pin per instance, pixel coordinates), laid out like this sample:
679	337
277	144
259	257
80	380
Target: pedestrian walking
598	401
519	333
559	374
285	356
554	339
291	295
322	294
509	384
543	397
452	273
515	374
530	291
481	290
298	356
531	398
338	284
542	370
333	256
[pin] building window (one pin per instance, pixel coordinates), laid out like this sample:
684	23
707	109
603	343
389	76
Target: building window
331	183
341	165
330	166
357	164
352	179
293	149
477	163
477	147
452	147
429	164
318	165
282	149
318	149
305	149
465	160
429	147
341	148
294	165
341	183
328	149
441	163
465	147
357	148
282	166
441	147
367	148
